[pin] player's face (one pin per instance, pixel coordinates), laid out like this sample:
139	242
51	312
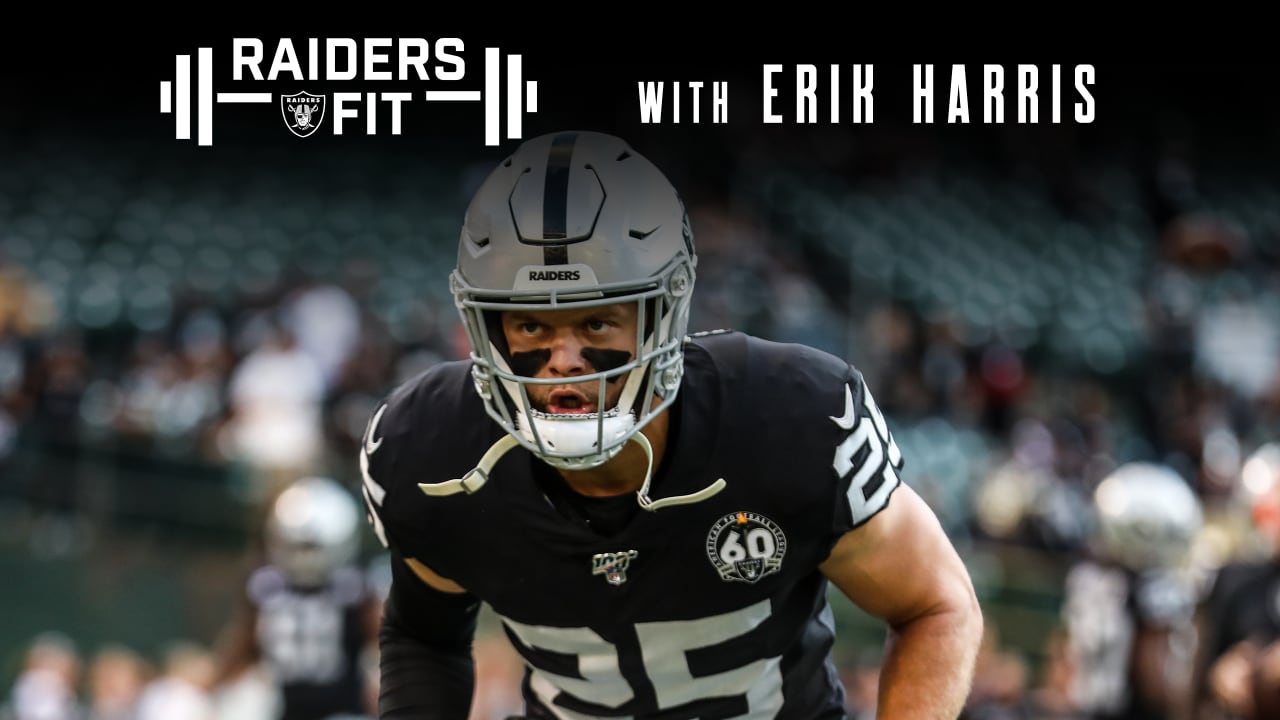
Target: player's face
568	344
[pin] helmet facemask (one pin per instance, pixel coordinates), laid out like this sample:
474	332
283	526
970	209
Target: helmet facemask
307	563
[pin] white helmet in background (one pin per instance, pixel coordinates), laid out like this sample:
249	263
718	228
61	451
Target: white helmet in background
313	530
1260	488
1147	516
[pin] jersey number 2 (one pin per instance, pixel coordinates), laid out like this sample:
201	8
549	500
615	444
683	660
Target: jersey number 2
871	450
664	647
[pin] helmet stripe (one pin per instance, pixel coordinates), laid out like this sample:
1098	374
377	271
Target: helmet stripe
555	200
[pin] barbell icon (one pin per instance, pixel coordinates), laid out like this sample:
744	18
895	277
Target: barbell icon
489	96
176	96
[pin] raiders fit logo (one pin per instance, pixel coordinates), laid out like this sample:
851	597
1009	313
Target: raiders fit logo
746	547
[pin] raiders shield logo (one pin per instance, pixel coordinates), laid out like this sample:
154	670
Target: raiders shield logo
745	547
303	112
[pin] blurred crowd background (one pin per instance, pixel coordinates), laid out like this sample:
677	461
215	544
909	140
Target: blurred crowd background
180	338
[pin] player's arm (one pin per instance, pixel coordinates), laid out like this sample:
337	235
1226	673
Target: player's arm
426	670
892	558
236	649
426	666
1220	677
901	566
1163	605
371	607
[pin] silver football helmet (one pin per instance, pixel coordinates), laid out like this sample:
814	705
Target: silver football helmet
1147	516
313	530
574	220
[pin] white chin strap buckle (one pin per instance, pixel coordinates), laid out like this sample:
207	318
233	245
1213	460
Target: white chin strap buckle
475	477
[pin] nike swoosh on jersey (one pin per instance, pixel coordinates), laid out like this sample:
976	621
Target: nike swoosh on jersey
374	493
370	446
846	421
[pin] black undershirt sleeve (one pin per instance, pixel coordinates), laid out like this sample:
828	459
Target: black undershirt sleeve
426	666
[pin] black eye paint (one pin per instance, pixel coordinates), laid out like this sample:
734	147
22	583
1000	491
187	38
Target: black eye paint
606	360
528	364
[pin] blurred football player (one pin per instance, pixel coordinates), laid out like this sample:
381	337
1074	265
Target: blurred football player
1128	609
48	681
310	613
655	518
1239	618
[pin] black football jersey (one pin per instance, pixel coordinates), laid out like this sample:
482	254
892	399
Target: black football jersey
714	609
312	640
1243	603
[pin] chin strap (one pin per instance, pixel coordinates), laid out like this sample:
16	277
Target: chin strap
642	495
479	475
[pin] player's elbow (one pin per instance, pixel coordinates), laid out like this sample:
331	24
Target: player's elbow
969	612
960	602
954	613
965	622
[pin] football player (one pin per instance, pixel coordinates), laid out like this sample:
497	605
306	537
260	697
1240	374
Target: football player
1239	610
309	614
655	518
1128	606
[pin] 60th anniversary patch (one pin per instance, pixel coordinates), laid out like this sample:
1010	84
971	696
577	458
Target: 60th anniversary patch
746	546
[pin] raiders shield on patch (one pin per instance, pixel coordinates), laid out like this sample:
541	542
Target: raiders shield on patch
303	112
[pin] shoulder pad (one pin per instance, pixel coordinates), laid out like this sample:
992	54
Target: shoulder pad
348	586
716	341
773	368
867	459
398	425
708	333
1228	580
265	582
817	406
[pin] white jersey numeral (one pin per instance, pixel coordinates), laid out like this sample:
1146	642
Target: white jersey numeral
870	438
301	638
601	683
1100	634
665	646
664	649
759	545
